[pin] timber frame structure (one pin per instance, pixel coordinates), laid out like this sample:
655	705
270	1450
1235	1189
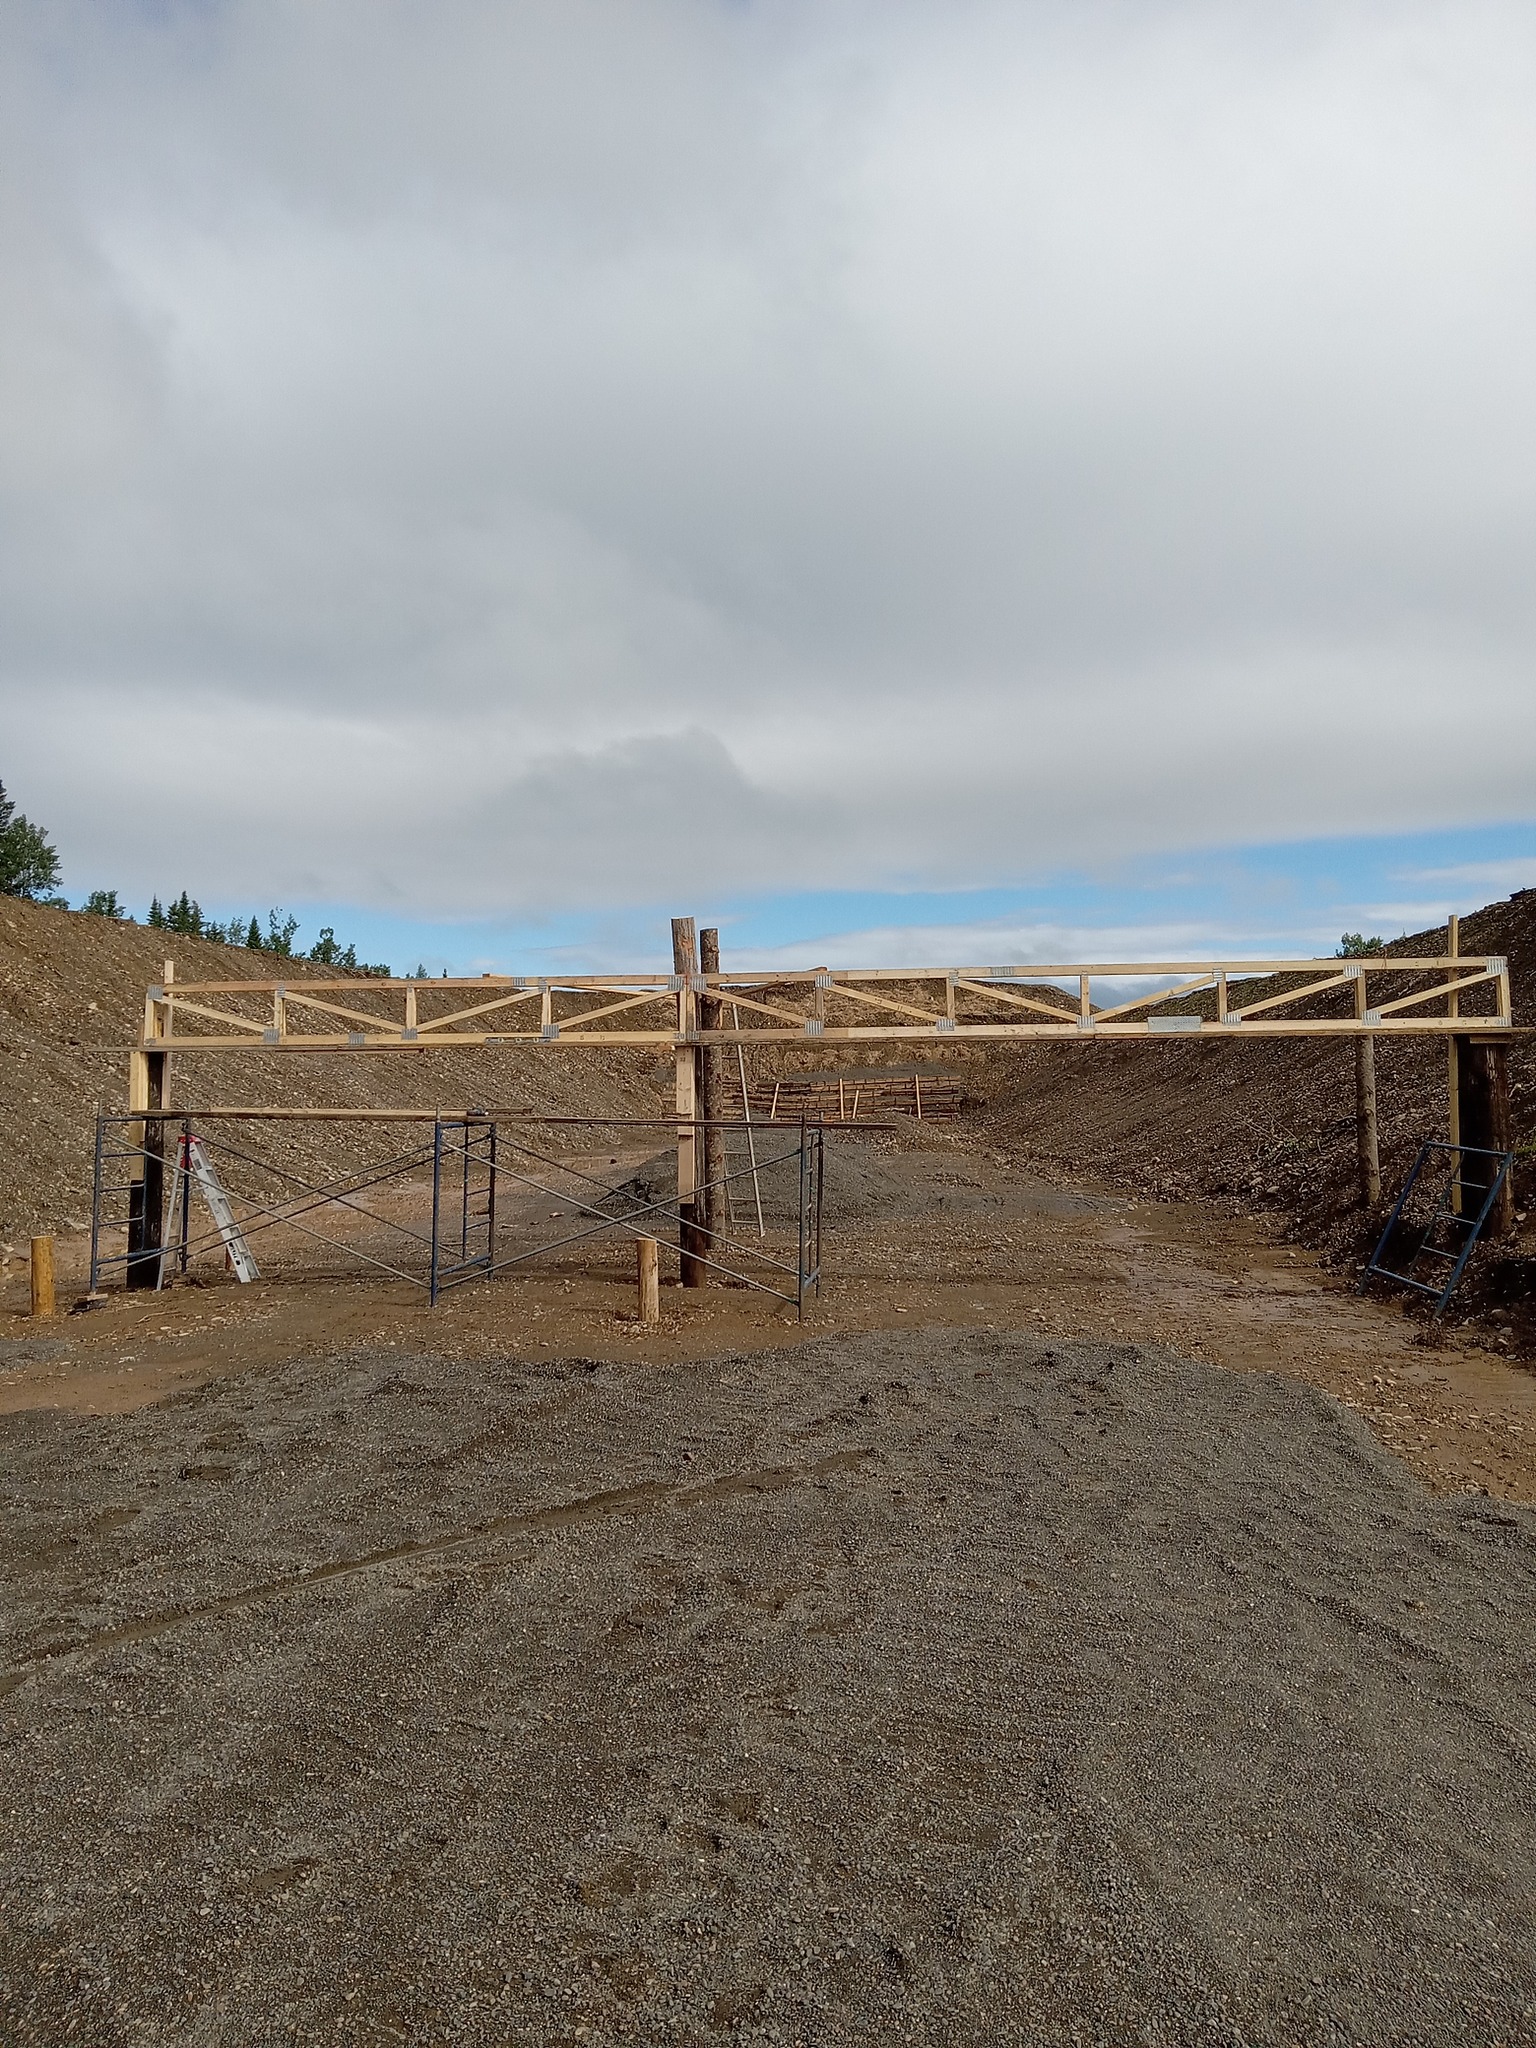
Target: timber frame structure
1462	1000
838	1005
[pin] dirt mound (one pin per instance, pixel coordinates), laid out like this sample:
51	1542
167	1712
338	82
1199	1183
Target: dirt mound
72	1002
939	1688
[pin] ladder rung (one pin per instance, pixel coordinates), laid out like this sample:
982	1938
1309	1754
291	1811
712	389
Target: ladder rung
1386	1273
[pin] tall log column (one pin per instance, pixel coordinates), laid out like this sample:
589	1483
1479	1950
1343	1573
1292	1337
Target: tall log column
1482	1100
685	965
712	1100
1453	1053
149	1090
1366	1138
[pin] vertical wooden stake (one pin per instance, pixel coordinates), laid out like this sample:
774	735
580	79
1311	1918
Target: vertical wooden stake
1366	1139
42	1276
648	1278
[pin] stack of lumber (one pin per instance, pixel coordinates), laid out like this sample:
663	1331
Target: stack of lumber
854	1094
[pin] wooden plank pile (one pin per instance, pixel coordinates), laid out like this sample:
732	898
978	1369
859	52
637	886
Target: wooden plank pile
858	1093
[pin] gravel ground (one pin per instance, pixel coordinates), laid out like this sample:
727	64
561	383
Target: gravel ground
925	1687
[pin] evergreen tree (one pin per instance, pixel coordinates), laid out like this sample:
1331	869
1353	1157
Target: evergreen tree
104	903
28	864
185	917
156	918
253	936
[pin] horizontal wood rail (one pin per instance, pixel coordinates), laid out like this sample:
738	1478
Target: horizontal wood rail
1381	996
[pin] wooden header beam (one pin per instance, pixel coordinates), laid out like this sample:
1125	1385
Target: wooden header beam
1377	996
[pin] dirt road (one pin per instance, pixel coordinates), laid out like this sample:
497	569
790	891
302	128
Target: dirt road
924	1230
977	1665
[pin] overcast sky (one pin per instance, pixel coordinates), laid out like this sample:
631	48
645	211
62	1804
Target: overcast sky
505	460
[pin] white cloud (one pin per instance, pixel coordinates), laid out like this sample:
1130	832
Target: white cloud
493	458
1477	880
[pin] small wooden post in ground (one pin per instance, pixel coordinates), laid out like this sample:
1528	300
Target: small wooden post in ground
648	1278
42	1276
711	1102
1484	1123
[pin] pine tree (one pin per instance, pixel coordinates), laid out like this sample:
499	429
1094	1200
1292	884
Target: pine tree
156	918
28	864
253	936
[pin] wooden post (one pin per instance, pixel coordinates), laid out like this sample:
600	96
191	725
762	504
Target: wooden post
42	1276
648	1278
685	964
1366	1140
711	1102
148	1090
1367	1145
1453	1059
1484	1122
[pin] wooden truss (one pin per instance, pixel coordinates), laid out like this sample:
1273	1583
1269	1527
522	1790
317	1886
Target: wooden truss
1242	999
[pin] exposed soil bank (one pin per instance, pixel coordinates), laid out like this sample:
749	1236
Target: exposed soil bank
952	1687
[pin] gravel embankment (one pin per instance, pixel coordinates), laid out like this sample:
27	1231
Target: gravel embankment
932	1688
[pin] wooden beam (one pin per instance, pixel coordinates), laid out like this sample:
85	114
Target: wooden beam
1294	995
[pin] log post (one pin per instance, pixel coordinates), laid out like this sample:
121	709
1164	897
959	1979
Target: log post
1366	1137
1484	1123
148	1090
648	1278
712	1100
42	1276
685	965
1453	1058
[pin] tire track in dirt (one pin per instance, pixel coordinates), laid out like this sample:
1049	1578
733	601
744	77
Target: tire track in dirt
647	1498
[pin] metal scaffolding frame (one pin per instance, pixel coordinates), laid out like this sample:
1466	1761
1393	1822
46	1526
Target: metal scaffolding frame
471	1157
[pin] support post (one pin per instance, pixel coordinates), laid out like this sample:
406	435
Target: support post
1367	1146
648	1278
685	964
712	1100
146	1220
42	1276
1453	1060
1366	1138
1483	1115
149	1090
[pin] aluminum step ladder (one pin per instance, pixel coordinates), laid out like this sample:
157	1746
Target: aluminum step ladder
193	1164
1460	1212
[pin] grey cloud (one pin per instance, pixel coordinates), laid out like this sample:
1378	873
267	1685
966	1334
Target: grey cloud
885	439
